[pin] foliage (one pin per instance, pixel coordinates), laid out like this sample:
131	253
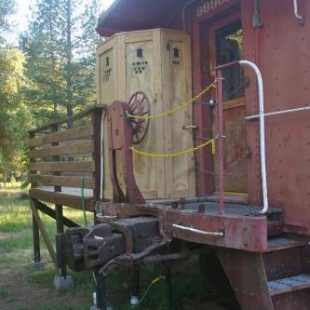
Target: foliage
16	255
14	116
53	76
7	8
60	46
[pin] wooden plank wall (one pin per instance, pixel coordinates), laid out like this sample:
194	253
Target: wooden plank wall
167	83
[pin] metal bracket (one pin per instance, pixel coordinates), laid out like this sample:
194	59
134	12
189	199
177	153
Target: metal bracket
189	127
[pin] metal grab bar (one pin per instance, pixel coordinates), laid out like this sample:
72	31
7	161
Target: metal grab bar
296	11
199	231
261	130
253	117
261	127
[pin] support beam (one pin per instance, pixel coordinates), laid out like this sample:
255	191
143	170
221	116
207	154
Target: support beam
43	232
52	213
36	243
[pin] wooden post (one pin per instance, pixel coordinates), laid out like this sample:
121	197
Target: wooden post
97	121
97	134
60	261
35	228
36	241
39	224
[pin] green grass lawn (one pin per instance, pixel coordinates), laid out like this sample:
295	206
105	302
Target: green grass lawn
20	285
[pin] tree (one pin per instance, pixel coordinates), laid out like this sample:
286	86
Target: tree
7	8
14	116
60	46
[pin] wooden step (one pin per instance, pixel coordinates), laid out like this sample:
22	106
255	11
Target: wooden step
289	284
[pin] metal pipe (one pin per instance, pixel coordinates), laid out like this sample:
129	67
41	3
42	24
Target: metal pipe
102	156
219	80
296	11
261	130
100	292
208	233
256	20
159	258
229	64
252	117
186	5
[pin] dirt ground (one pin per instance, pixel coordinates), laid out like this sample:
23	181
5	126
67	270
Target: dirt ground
18	291
22	295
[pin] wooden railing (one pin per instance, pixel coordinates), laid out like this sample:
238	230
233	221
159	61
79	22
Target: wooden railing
66	160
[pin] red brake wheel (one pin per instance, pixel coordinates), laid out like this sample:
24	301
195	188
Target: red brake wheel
139	105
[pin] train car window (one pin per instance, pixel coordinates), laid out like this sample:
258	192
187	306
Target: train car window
228	49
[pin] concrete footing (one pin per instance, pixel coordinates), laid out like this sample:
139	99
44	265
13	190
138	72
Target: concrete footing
36	265
61	282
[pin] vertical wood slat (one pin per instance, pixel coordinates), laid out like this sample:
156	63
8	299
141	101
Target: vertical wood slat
57	188
32	160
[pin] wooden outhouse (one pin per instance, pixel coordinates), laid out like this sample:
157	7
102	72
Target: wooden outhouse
158	63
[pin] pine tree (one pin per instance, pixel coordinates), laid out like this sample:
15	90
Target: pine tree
60	46
14	116
7	8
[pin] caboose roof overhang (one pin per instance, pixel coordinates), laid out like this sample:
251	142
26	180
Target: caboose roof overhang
127	15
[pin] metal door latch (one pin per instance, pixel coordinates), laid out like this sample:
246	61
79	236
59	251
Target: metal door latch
189	127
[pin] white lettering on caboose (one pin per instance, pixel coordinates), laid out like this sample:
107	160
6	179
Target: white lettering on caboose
209	6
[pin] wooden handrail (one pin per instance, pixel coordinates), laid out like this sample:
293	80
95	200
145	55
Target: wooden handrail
75	117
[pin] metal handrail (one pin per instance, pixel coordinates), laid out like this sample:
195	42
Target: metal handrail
261	130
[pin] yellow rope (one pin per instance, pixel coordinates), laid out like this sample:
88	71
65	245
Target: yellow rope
183	105
180	153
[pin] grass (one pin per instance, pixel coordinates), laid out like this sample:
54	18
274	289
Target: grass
16	246
16	255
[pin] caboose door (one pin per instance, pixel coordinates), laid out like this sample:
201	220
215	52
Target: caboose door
225	46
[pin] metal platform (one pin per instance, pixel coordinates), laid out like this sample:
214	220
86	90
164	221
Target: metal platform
211	208
289	284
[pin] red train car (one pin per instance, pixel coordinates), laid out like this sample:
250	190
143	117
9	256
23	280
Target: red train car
250	213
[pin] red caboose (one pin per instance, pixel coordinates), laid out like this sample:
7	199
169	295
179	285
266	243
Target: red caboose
202	146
